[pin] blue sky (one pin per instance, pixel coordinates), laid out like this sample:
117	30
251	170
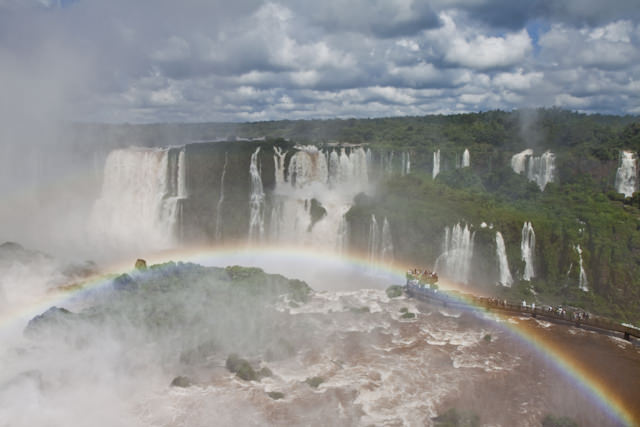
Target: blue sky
198	60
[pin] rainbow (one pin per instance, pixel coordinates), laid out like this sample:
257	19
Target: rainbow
602	394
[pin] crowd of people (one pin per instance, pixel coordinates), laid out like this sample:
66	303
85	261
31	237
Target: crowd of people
425	276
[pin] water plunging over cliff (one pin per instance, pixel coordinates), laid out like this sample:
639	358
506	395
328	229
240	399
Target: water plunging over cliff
527	248
466	158
386	244
313	192
582	278
457	253
219	218
626	175
256	201
436	164
538	169
503	264
141	198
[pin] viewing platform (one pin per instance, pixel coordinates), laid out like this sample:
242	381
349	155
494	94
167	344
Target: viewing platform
430	293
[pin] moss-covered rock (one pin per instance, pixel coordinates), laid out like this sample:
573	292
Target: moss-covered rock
275	395
314	382
456	418
395	291
241	367
181	381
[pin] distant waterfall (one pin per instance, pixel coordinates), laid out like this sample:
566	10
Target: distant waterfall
182	175
256	201
466	160
457	253
582	279
406	164
527	248
386	248
374	239
539	169
503	264
436	164
626	175
331	177
140	203
278	159
342	243
220	201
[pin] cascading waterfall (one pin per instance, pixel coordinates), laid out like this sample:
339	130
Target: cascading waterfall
328	179
342	243
503	264
537	169
436	164
278	159
457	254
386	243
519	161
219	219
140	203
582	279
256	201
527	248
627	173
406	163
374	240
466	160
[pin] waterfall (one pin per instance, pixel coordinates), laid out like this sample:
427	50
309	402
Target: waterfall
582	279
626	175
406	163
256	201
519	161
220	201
182	175
374	240
386	244
457	253
503	264
342	243
279	164
537	169
541	169
527	248
140	202
436	164
332	177
466	161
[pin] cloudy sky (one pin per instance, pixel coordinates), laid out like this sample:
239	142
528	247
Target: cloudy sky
247	60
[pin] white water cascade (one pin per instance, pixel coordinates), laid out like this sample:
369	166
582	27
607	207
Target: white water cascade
466	158
627	173
256	201
503	263
331	177
457	254
527	248
386	243
436	164
219	219
582	279
139	205
538	169
374	240
406	163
